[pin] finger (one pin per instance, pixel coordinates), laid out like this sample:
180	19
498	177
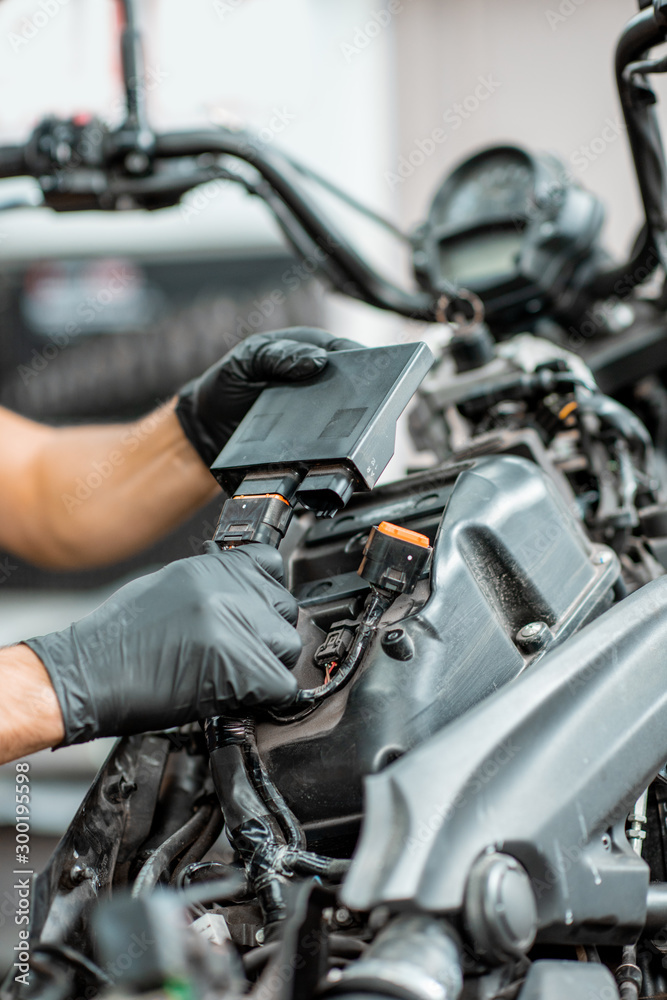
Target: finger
321	338
282	639
287	605
270	560
278	687
287	361
267	681
266	557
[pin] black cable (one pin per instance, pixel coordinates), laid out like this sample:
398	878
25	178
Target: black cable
198	849
74	957
311	698
161	858
645	66
206	874
231	888
292	830
356	279
349	200
340	946
133	69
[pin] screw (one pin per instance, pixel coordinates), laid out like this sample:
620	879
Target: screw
127	787
260	935
343	916
533	636
136	163
80	873
119	787
530	630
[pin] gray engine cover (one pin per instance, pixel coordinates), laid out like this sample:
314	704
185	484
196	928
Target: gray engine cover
508	551
544	770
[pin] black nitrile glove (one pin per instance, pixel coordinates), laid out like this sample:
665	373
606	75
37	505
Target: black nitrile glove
197	638
211	407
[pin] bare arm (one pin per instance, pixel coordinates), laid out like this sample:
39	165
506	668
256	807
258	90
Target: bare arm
77	497
30	716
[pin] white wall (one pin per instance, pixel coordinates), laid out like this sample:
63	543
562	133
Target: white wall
273	64
551	63
358	89
261	62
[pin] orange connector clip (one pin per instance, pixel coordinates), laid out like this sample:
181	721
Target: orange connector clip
404	534
260	496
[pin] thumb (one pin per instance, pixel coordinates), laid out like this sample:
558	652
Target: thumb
265	556
288	361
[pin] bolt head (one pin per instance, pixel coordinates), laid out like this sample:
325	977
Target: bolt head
136	162
531	629
534	636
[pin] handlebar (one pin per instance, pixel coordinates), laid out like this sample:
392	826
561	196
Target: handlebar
94	180
77	173
12	161
351	274
644	31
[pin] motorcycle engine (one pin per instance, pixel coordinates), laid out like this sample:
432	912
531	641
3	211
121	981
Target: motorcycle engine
512	575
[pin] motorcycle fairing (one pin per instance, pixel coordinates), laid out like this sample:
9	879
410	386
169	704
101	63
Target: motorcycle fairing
541	770
508	551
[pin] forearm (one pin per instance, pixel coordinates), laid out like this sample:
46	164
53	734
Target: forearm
96	494
30	716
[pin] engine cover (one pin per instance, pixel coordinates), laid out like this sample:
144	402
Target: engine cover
507	552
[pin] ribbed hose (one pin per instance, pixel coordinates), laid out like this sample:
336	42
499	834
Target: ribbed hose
418	954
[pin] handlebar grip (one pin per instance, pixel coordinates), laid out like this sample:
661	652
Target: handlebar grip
12	161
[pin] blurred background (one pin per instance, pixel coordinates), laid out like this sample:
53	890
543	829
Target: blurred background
354	88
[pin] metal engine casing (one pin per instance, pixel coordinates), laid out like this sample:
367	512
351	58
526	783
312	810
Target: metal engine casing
507	551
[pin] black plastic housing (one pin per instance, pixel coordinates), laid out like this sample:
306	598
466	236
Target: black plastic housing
392	563
345	418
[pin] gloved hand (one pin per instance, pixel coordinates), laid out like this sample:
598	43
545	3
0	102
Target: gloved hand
211	407
199	637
